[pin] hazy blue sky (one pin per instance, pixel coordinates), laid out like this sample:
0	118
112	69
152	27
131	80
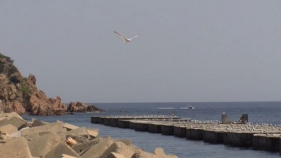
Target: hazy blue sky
200	50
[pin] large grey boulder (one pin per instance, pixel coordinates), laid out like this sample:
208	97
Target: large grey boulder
43	144
61	149
16	147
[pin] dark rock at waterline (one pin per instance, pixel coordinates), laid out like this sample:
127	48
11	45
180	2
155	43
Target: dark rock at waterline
82	107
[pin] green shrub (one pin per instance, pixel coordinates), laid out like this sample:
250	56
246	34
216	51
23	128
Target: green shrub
12	70
25	89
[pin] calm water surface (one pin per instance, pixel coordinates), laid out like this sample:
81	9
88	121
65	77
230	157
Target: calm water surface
259	112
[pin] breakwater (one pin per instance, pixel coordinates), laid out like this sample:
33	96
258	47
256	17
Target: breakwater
35	138
254	136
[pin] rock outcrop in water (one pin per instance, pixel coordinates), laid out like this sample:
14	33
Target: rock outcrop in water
82	107
20	95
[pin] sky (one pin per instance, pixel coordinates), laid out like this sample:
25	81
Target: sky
188	50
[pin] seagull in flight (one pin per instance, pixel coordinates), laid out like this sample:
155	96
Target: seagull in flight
125	38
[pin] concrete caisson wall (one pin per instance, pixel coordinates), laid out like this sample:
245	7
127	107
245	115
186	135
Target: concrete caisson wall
106	121
167	129
123	124
211	136
154	128
266	142
242	139
179	131
141	126
194	133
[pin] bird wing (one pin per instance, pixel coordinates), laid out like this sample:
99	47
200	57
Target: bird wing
134	37
125	38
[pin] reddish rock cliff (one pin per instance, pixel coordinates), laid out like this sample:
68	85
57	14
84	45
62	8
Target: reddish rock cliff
21	95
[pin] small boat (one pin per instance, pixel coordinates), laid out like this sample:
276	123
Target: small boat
188	107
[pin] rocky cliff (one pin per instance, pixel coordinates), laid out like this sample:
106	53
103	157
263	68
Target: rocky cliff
21	95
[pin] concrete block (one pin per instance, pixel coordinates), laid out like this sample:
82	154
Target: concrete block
43	144
120	148
61	149
143	154
17	122
52	127
98	149
31	136
82	131
68	126
80	148
10	115
67	156
93	133
79	139
125	141
159	152
16	147
2	121
37	123
8	129
115	155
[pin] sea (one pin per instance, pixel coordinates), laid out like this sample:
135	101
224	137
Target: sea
258	112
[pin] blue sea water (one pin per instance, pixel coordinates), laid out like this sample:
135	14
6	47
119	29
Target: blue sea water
258	112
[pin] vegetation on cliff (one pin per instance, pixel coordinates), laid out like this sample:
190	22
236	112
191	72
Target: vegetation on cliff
13	92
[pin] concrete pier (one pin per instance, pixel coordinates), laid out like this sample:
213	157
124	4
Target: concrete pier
261	137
